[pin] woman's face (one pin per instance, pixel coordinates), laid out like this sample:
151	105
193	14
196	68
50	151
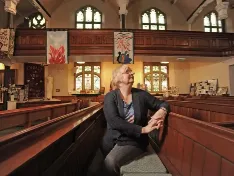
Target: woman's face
127	75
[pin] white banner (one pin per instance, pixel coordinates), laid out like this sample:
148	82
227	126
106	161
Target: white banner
57	47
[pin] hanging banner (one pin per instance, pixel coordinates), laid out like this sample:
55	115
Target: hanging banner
4	39
57	47
7	38
123	48
11	42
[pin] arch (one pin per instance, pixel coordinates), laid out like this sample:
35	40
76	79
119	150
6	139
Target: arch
212	23
36	21
153	19
88	17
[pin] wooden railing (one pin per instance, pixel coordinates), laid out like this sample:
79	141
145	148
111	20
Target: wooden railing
146	42
61	146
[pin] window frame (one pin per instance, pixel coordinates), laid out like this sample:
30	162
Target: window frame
82	9
92	64
151	64
223	23
30	20
150	24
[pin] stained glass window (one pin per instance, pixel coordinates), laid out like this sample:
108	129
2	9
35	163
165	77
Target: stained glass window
79	82
156	76
78	69
212	23
153	19
88	18
37	21
88	76
97	82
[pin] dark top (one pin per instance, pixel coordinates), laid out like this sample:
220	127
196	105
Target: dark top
121	132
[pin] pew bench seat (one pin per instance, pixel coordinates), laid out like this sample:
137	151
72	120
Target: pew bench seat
147	164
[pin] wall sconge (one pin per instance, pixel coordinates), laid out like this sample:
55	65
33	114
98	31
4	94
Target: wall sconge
80	62
2	66
164	62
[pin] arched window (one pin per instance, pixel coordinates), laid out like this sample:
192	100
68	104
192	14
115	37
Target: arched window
88	76
156	76
213	24
88	18
37	21
153	19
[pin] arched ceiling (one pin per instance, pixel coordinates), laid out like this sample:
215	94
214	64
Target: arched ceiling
187	7
52	5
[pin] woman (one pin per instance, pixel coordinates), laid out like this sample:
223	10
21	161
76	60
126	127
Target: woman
125	110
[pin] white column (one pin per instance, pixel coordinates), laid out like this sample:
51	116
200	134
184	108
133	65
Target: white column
222	9
10	6
189	27
123	12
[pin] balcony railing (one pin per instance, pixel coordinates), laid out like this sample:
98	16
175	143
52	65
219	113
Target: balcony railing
30	42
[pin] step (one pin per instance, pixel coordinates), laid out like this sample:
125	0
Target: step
146	174
148	163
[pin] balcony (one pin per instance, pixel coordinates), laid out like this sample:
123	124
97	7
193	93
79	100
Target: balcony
30	42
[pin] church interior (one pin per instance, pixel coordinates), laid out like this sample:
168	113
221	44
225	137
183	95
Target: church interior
56	64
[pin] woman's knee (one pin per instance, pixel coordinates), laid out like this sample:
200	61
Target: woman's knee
111	164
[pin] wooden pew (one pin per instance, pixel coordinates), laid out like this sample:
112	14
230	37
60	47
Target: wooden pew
37	103
61	146
208	112
64	146
229	125
13	120
191	148
219	101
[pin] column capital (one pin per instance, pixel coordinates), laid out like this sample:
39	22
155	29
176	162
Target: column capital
123	6
222	9
10	6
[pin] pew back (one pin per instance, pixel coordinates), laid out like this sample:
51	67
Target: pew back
208	112
26	117
61	146
193	148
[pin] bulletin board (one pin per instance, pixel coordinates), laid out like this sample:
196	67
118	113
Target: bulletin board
204	87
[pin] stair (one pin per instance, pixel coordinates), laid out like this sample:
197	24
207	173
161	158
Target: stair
149	164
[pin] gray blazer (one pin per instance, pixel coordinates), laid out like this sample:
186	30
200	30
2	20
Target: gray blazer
121	132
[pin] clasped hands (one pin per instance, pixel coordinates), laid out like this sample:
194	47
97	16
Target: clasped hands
155	122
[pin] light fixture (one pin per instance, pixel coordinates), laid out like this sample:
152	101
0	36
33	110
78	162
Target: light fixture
80	62
164	62
2	66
